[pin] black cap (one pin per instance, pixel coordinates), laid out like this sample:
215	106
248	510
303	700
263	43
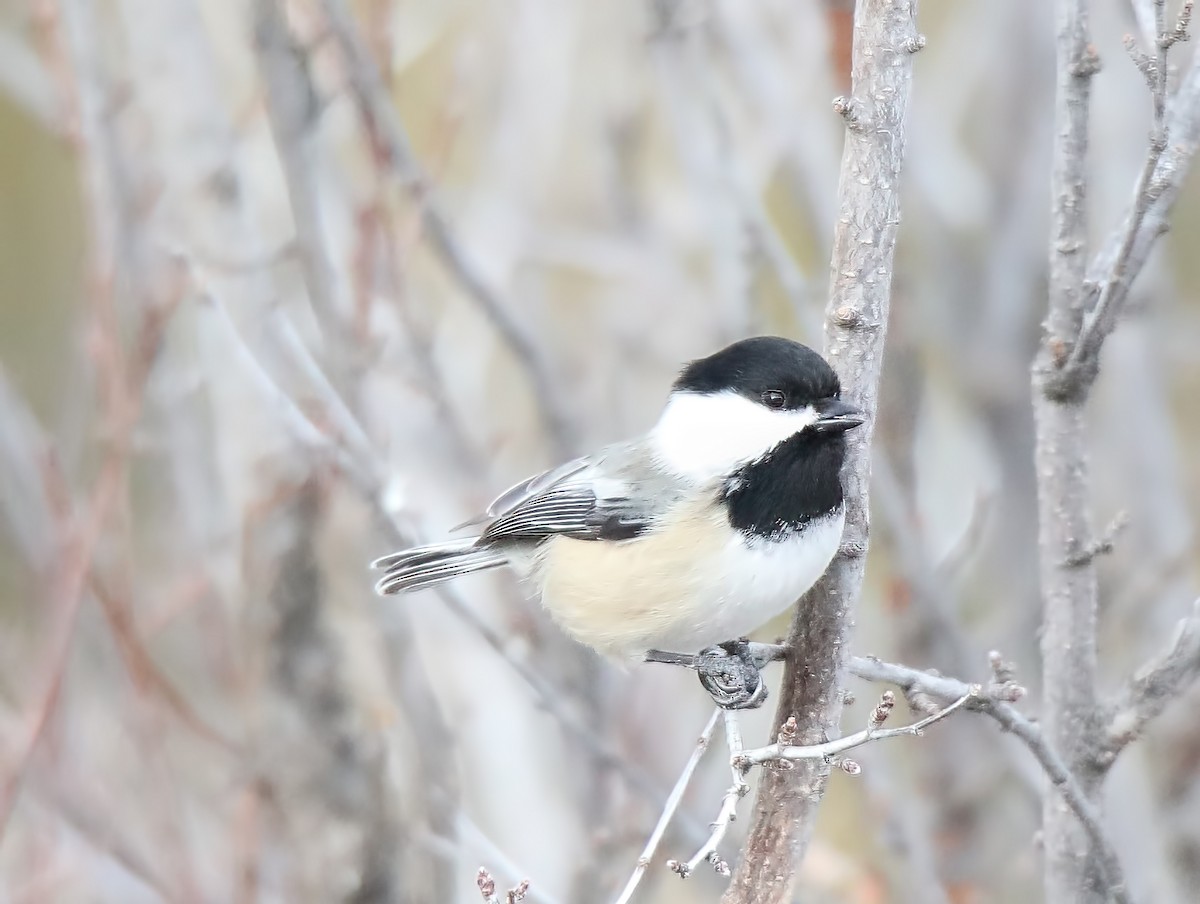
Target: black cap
760	365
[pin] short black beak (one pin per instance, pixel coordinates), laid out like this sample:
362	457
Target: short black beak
837	416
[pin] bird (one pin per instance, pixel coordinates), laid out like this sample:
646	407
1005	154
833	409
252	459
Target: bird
688	537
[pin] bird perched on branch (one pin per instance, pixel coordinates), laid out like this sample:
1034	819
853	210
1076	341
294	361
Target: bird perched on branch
685	538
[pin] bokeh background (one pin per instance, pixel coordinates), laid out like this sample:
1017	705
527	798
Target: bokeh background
265	316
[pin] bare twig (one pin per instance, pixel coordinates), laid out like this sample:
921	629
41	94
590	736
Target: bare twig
995	702
781	753
1102	545
1108	292
728	812
126	384
292	109
885	38
668	811
1163	679
384	122
785	754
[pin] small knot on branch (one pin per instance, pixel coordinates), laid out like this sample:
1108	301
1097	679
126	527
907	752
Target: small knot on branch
852	111
1088	63
914	43
1004	684
850	767
787	732
883	709
1101	546
848	317
679	868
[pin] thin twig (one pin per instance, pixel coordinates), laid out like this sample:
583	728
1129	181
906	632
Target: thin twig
1165	678
728	812
387	129
669	808
292	109
80	540
778	753
994	703
1105	307
784	753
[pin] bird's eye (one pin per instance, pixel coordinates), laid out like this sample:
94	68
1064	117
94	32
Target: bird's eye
773	398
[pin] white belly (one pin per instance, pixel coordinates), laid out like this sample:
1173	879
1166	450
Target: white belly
679	590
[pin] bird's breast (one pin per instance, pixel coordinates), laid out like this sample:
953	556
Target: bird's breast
691	582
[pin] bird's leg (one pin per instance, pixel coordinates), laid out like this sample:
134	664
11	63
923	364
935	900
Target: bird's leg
731	672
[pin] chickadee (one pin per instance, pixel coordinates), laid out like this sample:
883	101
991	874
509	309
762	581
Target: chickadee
697	532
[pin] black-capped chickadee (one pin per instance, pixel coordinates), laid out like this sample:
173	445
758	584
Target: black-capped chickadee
696	533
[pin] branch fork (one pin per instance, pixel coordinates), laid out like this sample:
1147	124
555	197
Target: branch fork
784	753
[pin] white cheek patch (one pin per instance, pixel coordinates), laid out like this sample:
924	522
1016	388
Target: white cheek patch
704	437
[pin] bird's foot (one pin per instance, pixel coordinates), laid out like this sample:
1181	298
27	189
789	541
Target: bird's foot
731	672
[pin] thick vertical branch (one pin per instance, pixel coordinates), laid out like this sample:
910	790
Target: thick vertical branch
1064	517
885	38
1079	318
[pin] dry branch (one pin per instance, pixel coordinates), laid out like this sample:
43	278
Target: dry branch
1160	681
1174	135
996	702
389	134
668	811
1079	318
885	37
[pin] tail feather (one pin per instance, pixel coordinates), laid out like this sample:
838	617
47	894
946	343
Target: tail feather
427	566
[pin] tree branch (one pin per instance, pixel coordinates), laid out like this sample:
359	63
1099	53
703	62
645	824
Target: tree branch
885	38
669	808
1080	316
728	812
1163	679
1071	871
995	702
390	136
292	108
783	752
1174	135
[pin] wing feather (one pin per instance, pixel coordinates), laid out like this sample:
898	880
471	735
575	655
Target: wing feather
590	498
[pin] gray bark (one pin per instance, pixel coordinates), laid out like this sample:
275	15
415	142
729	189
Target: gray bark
885	38
1072	873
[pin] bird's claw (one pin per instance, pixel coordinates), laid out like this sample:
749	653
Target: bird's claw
730	672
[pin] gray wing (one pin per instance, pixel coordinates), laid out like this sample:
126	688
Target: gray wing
538	483
599	497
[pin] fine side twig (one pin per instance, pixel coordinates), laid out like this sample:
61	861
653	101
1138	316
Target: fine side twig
388	131
669	808
1154	192
780	753
995	702
885	38
1161	680
126	384
783	754
728	812
292	107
